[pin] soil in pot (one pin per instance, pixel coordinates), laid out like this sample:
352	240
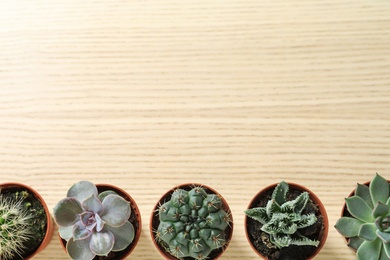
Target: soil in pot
38	224
260	240
135	219
154	223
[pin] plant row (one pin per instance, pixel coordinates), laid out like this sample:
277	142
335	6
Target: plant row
192	221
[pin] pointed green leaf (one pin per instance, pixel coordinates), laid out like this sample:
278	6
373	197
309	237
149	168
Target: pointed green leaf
258	214
379	189
367	231
383	253
369	250
355	242
348	227
386	247
364	192
380	210
279	193
300	202
359	209
385	237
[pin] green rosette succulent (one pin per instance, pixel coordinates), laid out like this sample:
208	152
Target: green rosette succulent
282	220
192	223
92	223
368	226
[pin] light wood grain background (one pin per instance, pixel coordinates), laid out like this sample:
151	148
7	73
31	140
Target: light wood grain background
237	95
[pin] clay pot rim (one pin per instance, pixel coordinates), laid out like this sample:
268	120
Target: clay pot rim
312	196
135	210
165	254
49	226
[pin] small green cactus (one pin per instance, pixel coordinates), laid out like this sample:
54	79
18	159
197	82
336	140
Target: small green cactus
15	228
192	223
368	227
282	220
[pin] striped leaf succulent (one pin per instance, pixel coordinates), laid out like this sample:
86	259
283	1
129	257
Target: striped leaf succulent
93	223
368	227
282	220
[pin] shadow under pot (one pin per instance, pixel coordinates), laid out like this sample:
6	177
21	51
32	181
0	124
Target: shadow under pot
25	224
191	221
124	234
365	220
286	221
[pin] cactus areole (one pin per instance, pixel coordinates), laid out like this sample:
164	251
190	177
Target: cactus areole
286	221
192	222
24	222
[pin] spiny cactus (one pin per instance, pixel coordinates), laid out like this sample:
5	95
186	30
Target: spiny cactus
368	228
93	223
192	223
282	220
14	227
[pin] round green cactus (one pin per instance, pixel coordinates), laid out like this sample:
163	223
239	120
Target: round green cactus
192	223
14	227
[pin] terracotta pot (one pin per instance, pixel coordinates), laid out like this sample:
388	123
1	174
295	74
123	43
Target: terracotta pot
292	186
154	222
135	219
4	187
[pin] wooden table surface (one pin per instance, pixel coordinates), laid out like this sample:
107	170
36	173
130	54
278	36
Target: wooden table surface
236	95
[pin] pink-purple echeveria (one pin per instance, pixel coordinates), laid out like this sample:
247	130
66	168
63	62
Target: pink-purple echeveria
93	224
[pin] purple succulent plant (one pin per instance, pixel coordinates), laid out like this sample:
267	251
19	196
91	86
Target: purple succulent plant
93	223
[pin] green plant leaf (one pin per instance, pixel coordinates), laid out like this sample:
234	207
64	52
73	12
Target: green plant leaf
279	193
369	250
355	242
67	211
385	237
364	192
258	214
300	202
383	255
380	210
379	189
102	242
124	235
116	210
359	209
386	247
348	227
367	231
65	232
79	250
82	190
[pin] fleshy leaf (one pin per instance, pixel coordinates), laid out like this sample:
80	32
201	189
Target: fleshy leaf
67	211
65	232
104	194
379	189
385	237
82	190
367	231
355	242
99	223
116	210
380	210
80	231
386	247
258	214
102	242
369	250
359	209
279	193
363	192
348	227
92	203
79	250
124	235
300	202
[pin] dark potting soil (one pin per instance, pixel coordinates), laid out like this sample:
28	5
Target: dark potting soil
37	224
260	240
162	245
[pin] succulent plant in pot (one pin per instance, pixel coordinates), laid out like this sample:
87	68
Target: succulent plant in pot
365	221
286	221
97	222
191	221
25	223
